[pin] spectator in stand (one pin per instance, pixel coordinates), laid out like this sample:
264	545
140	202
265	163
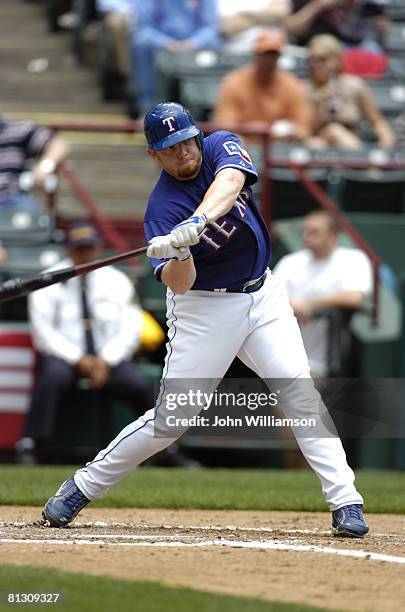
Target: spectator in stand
86	328
171	25
323	275
340	101
353	22
259	95
360	25
118	16
240	24
19	142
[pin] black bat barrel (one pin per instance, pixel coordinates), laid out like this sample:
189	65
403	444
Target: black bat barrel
17	287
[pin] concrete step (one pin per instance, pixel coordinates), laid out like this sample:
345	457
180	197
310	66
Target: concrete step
63	86
113	168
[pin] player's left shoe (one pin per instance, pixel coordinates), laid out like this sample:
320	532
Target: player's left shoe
65	505
349	522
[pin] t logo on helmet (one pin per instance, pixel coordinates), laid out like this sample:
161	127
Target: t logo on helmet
168	120
168	123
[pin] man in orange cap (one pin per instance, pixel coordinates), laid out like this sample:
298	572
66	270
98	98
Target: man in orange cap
260	95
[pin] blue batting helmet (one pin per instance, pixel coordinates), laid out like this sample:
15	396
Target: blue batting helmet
167	124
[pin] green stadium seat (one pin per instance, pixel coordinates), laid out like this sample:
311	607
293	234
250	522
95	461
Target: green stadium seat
31	259
289	198
26	261
395	36
395	10
204	64
199	62
25	228
390	99
199	95
295	60
385	233
373	190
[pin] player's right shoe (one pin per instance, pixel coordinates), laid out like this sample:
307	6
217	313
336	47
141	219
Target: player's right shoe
65	505
349	522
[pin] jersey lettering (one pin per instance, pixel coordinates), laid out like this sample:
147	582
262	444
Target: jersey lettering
241	202
223	227
169	121
236	247
227	232
205	238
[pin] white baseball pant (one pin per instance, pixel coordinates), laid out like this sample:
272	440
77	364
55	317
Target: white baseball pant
206	331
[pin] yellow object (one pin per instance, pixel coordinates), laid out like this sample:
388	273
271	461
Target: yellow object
152	335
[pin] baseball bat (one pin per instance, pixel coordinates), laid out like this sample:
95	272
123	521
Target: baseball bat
17	287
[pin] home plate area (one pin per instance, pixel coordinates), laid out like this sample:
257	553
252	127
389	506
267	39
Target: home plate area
286	556
101	533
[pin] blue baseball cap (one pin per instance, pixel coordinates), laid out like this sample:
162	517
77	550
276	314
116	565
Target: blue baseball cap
82	233
169	123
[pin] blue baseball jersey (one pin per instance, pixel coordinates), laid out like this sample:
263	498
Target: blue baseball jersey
233	249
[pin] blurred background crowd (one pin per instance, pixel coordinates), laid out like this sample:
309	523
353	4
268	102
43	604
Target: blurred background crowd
321	43
315	88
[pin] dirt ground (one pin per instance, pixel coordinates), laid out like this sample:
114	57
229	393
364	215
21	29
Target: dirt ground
286	556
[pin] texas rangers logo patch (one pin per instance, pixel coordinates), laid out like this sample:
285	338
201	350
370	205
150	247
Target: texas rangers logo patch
233	148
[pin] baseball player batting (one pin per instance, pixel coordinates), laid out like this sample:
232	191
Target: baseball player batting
210	246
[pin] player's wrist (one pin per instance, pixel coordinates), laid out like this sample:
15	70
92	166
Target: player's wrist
184	254
202	222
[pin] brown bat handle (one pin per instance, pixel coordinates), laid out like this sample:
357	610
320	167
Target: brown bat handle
17	287
100	263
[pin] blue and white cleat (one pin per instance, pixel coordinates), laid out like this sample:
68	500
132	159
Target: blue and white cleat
349	522
65	505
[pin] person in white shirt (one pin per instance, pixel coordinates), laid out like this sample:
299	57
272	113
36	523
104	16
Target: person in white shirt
241	22
95	340
322	275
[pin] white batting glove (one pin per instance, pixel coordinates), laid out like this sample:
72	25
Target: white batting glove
188	232
160	247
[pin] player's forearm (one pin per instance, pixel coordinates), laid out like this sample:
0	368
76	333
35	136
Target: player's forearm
343	299
222	194
179	276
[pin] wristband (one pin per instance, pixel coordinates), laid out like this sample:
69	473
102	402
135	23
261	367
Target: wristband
47	165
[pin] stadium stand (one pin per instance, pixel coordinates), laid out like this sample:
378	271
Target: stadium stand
389	96
25	228
54	10
373	190
288	197
395	39
396	10
106	164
